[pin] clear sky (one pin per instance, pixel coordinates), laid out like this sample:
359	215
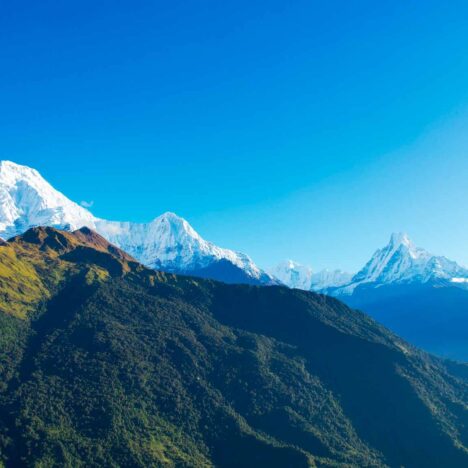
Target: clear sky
305	129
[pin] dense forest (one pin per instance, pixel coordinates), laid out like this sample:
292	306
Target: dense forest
106	363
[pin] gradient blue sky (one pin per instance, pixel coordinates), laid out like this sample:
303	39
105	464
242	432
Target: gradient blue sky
304	129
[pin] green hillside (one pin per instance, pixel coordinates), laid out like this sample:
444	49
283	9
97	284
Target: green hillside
106	363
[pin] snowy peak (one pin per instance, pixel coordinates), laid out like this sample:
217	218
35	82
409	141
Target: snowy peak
168	242
28	200
293	274
175	227
400	238
325	279
299	276
401	261
175	223
400	241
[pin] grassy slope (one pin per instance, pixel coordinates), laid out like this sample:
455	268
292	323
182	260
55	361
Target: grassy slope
111	364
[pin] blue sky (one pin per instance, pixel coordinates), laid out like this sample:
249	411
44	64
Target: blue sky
303	129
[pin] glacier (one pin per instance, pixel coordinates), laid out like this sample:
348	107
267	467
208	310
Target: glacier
295	275
167	243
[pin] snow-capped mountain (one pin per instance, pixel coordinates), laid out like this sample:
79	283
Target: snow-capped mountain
299	276
401	262
293	274
329	279
26	200
420	296
168	242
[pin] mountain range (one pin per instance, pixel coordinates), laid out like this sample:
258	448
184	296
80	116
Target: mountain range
299	276
402	262
168	242
104	362
421	296
399	262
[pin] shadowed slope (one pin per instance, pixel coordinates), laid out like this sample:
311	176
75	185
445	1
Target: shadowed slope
129	367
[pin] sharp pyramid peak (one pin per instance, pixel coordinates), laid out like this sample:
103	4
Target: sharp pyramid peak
176	224
400	238
172	218
170	215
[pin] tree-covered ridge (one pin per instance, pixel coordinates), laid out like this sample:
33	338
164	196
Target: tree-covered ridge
117	365
34	265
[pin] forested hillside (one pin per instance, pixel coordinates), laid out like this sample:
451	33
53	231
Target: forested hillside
106	363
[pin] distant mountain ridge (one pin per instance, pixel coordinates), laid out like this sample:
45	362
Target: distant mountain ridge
168	242
402	262
420	296
298	276
399	262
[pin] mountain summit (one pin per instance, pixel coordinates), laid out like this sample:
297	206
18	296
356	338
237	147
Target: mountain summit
401	261
293	274
27	200
299	276
168	242
419	295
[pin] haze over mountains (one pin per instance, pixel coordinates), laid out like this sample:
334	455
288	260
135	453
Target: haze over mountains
421	296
